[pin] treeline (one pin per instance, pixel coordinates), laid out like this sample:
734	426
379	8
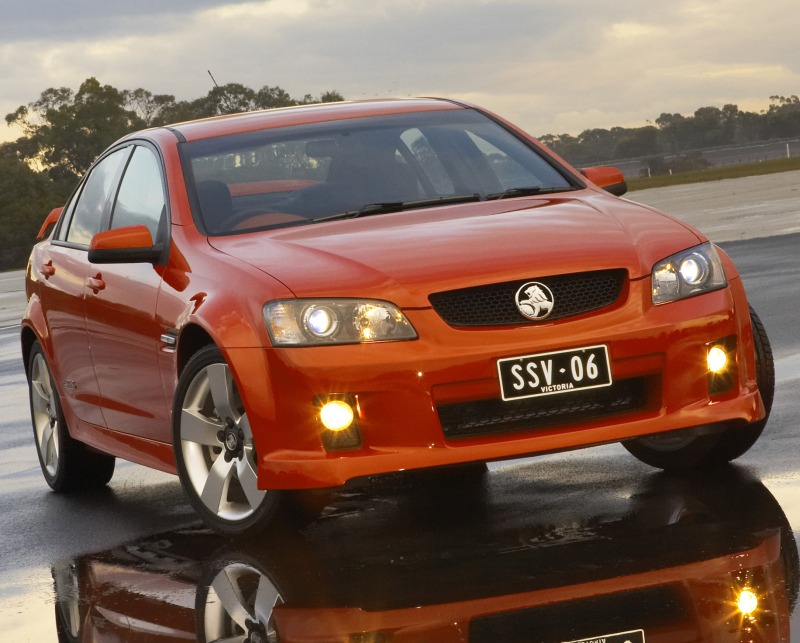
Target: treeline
680	136
63	131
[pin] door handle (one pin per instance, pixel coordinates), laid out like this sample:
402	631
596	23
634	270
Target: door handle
47	269
96	284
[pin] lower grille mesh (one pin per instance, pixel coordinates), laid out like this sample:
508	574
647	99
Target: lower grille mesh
487	417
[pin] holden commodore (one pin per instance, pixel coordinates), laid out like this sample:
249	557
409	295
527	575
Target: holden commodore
294	298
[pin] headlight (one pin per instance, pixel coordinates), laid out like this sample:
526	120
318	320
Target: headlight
311	322
692	272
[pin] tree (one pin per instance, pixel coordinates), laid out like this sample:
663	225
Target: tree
596	145
64	132
148	107
269	97
783	117
564	145
26	197
231	98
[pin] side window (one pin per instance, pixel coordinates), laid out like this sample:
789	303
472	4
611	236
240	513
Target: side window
421	148
88	214
508	171
514	165
141	194
66	217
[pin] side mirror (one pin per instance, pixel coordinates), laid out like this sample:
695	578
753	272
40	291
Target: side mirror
51	220
607	177
129	244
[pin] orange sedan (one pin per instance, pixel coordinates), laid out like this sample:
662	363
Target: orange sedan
293	298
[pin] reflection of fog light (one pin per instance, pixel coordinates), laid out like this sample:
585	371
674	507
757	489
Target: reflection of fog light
336	415
747	602
717	359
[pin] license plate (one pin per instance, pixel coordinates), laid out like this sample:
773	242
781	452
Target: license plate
554	373
635	636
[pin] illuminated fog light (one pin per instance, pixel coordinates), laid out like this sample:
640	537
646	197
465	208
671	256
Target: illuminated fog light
336	415
747	602
717	359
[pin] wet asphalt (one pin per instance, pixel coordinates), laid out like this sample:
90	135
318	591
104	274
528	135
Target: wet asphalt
566	547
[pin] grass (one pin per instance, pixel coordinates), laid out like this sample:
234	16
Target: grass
715	174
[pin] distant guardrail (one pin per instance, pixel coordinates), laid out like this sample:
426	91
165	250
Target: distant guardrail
719	156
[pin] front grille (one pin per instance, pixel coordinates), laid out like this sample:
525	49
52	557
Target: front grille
488	417
495	305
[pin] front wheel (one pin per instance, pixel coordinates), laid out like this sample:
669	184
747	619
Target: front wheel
67	465
237	602
696	447
214	449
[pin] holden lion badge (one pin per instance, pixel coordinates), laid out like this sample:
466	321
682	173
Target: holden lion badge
534	300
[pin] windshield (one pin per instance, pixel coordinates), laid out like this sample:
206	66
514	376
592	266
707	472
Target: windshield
358	167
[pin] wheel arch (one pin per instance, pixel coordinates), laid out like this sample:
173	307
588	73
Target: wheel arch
27	339
192	338
34	328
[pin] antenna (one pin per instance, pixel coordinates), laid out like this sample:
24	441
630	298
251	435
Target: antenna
226	100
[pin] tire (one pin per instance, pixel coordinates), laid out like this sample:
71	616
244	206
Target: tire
67	464
66	588
703	447
220	480
737	441
235	602
674	449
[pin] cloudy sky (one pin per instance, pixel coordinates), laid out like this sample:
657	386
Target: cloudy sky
552	67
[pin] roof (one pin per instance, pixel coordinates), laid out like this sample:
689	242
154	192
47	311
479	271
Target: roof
305	114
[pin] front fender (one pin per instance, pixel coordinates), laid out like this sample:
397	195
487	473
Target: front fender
34	327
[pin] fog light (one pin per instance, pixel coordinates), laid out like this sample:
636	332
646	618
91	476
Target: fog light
721	363
717	359
747	602
336	415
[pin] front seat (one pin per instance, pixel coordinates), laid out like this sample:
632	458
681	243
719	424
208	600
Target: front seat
216	207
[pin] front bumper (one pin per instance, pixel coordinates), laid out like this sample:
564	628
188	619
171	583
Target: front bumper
402	388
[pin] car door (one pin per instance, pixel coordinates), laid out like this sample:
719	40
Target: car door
123	331
65	268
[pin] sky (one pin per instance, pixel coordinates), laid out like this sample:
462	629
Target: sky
554	67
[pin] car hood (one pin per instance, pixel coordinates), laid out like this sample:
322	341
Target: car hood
403	257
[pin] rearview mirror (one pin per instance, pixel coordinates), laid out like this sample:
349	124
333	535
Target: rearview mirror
129	244
607	177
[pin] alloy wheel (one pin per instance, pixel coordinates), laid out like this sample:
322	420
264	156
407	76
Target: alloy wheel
217	445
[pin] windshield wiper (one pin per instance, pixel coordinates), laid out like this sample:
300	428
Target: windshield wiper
398	206
527	191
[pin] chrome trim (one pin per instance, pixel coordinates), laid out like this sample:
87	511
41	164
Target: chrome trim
169	339
534	300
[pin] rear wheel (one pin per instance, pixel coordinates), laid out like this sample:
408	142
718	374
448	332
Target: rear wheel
708	445
67	464
214	449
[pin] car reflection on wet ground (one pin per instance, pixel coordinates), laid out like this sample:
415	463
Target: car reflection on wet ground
662	558
583	539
